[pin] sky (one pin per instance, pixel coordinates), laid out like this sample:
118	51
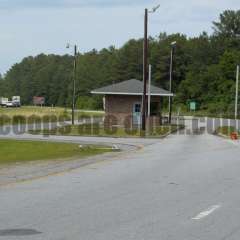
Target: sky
31	27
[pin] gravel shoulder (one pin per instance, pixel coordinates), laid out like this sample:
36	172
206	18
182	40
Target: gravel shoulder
33	170
38	169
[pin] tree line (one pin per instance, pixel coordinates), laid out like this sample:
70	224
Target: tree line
204	69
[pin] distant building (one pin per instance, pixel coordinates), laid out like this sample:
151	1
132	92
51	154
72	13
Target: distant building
124	100
38	101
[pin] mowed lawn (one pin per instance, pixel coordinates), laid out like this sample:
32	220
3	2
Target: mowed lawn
14	151
31	114
28	111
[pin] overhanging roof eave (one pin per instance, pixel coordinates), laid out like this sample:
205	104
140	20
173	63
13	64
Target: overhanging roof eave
133	94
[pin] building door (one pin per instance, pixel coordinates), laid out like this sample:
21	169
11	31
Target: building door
136	113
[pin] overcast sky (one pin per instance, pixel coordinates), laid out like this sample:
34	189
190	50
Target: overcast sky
30	27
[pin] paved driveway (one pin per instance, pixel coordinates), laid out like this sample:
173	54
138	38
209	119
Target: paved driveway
184	187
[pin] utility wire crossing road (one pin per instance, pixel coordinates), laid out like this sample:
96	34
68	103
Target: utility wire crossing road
184	187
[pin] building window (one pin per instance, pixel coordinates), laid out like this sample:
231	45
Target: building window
137	108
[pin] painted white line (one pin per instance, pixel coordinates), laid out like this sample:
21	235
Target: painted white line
206	213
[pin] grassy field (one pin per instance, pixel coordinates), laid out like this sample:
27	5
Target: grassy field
98	130
204	113
13	151
32	114
29	111
226	131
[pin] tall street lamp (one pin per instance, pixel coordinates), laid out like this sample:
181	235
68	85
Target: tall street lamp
74	82
236	96
173	44
237	85
145	65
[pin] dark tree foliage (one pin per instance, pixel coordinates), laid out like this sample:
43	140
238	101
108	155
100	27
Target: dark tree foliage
204	69
229	24
1	84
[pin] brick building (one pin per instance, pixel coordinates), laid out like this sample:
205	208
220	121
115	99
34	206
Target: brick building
124	101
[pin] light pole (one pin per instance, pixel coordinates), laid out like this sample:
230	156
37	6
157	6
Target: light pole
236	97
149	89
74	82
145	65
173	44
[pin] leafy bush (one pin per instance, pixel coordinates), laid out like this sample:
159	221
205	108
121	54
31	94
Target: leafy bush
89	103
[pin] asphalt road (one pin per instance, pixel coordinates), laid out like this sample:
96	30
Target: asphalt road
184	187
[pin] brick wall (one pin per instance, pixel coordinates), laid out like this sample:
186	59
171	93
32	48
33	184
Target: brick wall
120	107
120	103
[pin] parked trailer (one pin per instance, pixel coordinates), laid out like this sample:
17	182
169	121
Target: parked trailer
3	101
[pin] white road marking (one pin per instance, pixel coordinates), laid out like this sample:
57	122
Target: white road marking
115	147
207	212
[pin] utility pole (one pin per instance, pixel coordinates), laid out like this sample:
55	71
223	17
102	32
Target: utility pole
145	73
236	97
149	90
173	44
145	66
74	84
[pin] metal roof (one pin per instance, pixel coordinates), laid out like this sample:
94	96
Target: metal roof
130	87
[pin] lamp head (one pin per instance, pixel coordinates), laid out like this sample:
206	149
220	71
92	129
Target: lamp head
154	9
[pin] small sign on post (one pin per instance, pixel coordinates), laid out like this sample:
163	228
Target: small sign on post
193	106
38	101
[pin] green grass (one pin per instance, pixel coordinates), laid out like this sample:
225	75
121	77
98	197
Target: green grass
204	113
98	130
28	115
226	130
31	110
13	151
31	114
87	114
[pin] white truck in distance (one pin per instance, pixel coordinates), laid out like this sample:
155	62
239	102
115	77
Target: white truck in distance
16	102
3	101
